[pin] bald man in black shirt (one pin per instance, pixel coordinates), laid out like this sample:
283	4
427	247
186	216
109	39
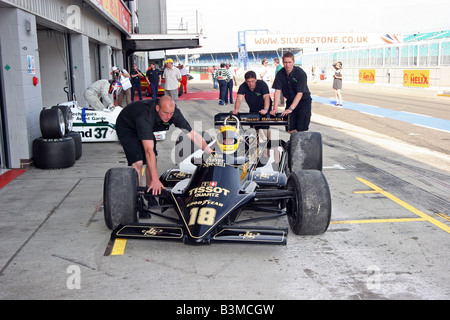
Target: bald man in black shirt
135	127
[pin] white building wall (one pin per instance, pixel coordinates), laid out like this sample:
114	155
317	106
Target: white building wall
23	100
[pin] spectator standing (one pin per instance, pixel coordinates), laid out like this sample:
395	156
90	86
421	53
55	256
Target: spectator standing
124	78
230	84
136	75
183	72
154	78
265	73
223	76
337	82
172	77
214	78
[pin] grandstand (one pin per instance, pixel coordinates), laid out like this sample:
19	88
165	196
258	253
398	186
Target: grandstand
425	50
426	36
215	59
255	57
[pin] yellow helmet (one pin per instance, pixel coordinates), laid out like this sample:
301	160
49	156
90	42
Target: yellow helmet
228	139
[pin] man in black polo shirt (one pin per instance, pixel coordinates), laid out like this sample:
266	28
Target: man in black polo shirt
135	126
154	78
257	96
292	81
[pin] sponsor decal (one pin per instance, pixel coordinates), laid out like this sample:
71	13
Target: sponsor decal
208	190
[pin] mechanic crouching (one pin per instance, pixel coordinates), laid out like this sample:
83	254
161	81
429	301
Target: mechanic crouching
101	89
135	127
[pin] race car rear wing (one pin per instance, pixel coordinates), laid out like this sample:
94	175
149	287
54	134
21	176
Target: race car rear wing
252	119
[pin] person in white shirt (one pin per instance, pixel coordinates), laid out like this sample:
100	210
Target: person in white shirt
172	77
265	73
183	72
123	77
230	84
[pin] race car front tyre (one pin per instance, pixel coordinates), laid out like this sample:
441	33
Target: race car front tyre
52	123
309	213
120	197
53	153
76	136
305	151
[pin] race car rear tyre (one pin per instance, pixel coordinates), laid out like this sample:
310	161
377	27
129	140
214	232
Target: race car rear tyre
76	136
53	153
309	213
120	197
52	123
305	151
67	115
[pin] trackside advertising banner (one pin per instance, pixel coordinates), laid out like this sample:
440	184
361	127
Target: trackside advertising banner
416	78
366	75
279	40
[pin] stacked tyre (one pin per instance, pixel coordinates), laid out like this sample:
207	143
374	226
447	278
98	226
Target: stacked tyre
59	146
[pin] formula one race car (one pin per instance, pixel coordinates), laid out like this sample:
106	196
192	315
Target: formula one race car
209	197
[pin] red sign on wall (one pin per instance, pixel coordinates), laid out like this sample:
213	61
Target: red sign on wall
118	11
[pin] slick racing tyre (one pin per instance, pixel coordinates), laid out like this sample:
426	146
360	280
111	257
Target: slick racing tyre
52	123
305	151
120	197
76	136
67	115
53	153
309	212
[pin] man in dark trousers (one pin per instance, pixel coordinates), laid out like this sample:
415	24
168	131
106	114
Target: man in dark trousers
154	78
135	79
135	127
292	82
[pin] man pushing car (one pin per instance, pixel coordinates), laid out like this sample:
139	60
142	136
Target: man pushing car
135	127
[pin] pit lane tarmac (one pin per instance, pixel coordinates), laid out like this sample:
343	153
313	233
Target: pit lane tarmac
387	238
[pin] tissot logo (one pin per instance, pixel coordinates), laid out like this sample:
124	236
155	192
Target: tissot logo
208	191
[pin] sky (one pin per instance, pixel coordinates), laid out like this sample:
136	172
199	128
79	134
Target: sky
223	19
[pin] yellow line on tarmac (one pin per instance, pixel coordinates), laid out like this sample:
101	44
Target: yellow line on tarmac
119	247
405	205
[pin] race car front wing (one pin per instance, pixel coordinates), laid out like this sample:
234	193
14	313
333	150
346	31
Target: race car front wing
236	234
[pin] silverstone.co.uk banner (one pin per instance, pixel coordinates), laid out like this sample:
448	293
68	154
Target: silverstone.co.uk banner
273	41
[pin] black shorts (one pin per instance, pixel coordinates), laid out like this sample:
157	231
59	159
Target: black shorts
134	150
300	118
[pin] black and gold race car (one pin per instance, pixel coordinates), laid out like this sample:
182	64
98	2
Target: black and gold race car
208	197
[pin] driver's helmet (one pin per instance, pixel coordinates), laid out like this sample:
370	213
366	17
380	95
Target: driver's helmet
228	139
